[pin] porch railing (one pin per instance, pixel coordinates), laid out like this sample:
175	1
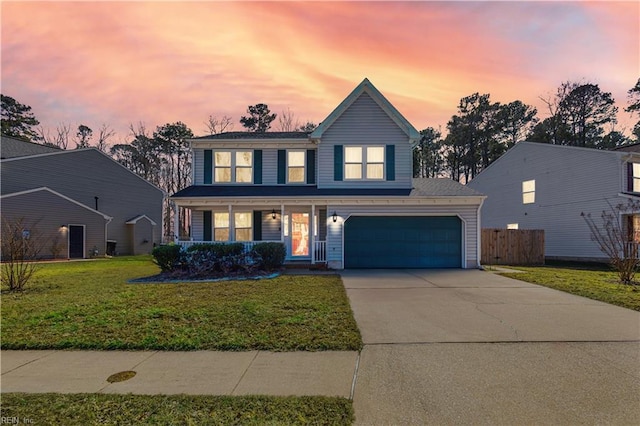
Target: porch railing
320	253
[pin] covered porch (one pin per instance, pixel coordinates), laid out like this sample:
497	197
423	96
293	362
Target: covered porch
301	228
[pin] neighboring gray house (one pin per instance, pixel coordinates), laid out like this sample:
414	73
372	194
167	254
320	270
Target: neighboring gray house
91	202
343	194
543	186
13	147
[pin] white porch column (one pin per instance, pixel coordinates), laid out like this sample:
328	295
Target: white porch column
176	223
282	223
312	231
232	224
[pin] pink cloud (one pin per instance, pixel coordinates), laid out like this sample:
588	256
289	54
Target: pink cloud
121	63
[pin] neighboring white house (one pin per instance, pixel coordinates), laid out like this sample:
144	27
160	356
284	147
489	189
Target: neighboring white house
543	186
343	194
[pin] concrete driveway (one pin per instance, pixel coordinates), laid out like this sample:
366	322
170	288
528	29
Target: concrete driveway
472	347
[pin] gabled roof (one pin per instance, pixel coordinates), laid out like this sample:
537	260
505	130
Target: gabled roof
11	147
140	217
75	152
253	135
368	88
71	200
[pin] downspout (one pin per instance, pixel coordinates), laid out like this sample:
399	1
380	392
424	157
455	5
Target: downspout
106	234
479	236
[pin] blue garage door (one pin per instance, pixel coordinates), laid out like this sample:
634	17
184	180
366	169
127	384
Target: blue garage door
403	242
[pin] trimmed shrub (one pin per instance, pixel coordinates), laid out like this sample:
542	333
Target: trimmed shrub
272	255
206	263
218	249
167	257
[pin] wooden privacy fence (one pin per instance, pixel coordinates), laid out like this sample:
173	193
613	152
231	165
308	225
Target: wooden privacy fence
512	246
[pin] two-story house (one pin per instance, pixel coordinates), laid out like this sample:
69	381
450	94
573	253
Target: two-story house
81	202
549	187
343	194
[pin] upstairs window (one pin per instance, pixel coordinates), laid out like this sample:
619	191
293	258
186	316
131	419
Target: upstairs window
634	177
295	166
375	162
528	192
364	162
233	166
243	165
353	162
222	166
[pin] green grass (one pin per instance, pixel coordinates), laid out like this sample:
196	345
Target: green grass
90	305
105	409
593	281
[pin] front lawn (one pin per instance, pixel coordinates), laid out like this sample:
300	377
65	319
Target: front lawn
90	305
106	409
594	282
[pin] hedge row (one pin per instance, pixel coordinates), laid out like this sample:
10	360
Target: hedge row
207	259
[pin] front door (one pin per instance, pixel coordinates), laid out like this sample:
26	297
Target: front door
76	241
297	235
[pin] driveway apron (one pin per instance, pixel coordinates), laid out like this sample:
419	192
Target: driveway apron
472	347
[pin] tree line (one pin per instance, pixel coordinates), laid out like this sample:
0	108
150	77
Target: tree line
580	114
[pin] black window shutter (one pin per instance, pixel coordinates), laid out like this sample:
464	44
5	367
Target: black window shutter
391	162
311	166
282	166
630	177
206	221
257	166
208	166
337	162
257	225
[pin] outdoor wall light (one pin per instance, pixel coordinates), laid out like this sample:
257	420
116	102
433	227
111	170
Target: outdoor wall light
273	214
335	217
63	226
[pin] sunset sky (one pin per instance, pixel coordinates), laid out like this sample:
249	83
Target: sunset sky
158	62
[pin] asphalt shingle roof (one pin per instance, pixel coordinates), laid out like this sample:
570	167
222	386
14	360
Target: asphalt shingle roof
421	188
255	135
12	148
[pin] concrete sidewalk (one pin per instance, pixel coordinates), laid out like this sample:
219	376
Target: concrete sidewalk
195	373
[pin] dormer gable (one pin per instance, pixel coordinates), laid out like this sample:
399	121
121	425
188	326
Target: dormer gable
366	87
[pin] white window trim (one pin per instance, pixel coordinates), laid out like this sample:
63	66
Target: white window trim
529	195
233	166
634	178
364	163
304	167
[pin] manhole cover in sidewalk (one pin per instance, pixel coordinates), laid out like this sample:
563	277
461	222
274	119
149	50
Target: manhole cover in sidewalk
121	376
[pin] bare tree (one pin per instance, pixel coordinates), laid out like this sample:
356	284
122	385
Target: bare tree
614	235
61	137
217	125
104	134
20	245
287	121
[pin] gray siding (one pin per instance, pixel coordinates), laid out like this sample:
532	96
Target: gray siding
365	123
468	215
83	175
197	157
569	181
44	213
270	227
142	236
